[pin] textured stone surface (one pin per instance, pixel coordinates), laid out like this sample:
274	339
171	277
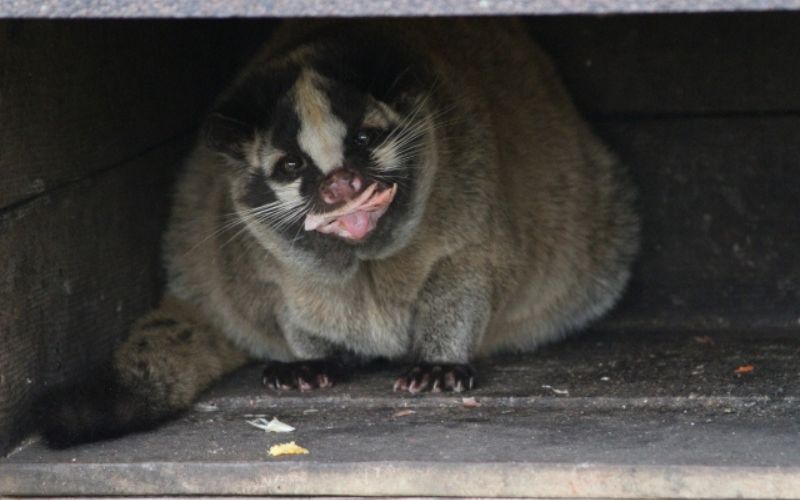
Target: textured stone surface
287	8
84	96
78	266
673	66
600	416
90	114
721	225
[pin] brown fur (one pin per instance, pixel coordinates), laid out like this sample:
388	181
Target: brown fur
521	230
541	215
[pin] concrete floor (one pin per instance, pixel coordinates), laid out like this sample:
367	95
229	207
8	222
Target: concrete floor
600	416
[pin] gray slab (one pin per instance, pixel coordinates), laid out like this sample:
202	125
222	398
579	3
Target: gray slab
719	198
286	8
724	64
661	416
82	97
78	264
448	450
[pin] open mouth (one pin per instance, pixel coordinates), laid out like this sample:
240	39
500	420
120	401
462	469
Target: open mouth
358	217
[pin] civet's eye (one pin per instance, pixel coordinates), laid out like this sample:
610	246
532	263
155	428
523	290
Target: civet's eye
289	165
363	138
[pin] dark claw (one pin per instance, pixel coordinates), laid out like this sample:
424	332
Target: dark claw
302	375
437	378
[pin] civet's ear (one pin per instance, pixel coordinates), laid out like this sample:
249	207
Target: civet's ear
227	136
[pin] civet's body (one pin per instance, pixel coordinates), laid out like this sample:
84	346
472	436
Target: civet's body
421	191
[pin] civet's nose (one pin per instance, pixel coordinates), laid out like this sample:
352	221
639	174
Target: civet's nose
341	185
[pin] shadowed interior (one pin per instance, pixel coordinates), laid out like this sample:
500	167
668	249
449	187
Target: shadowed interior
98	114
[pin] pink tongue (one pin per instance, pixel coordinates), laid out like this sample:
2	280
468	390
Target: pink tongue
356	223
357	217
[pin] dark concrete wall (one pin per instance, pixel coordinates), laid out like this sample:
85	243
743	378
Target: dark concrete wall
95	118
705	110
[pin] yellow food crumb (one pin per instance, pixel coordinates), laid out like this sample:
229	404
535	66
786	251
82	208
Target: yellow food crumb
290	448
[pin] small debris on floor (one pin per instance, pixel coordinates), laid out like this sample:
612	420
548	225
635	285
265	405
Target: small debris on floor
744	369
310	410
206	407
704	339
290	448
605	379
469	402
273	425
403	413
558	392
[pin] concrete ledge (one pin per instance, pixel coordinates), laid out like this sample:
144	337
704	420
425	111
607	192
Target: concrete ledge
599	416
335	8
533	480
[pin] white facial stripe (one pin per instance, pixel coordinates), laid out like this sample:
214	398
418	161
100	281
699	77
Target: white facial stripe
321	133
270	159
386	156
379	115
288	193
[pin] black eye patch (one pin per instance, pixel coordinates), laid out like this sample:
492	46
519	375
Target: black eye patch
250	106
285	126
256	192
366	138
288	167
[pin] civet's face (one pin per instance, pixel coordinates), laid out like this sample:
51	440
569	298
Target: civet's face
328	150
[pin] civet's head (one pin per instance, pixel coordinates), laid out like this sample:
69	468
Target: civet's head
330	147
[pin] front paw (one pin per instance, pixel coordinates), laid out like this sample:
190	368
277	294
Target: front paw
436	378
302	375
